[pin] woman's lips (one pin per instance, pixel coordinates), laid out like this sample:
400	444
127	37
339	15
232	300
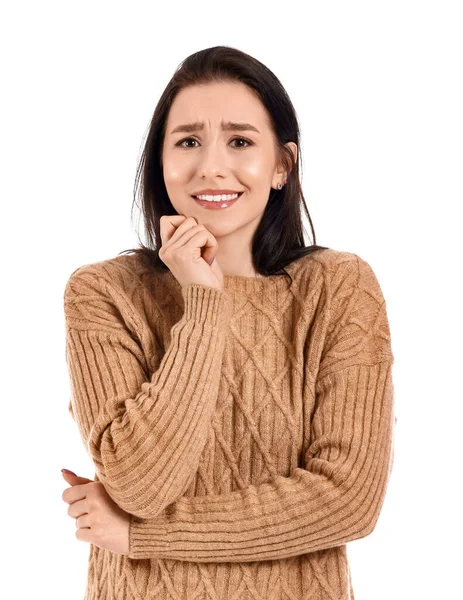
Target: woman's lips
215	204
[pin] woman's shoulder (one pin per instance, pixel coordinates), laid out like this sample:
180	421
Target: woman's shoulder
347	274
339	271
124	273
117	292
336	261
328	262
331	256
120	265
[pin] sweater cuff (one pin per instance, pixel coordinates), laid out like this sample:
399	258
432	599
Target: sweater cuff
206	304
147	537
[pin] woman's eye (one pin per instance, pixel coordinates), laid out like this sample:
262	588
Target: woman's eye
239	139
183	141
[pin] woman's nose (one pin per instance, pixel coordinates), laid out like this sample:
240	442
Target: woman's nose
212	159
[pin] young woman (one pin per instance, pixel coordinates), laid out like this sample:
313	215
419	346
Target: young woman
232	386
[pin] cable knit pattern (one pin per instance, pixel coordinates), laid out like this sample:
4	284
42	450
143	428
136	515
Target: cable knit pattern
248	432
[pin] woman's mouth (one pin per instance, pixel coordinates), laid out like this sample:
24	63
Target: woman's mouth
218	201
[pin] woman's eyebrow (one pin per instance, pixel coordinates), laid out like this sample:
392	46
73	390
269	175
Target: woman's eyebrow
228	126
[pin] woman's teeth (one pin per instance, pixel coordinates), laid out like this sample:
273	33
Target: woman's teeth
218	197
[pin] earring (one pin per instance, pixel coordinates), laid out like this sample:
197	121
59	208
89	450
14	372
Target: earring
279	186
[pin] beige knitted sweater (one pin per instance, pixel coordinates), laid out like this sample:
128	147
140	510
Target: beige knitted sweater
249	432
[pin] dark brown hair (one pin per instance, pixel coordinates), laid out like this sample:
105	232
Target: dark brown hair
279	238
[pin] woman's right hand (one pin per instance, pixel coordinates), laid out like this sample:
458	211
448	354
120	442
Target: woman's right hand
182	242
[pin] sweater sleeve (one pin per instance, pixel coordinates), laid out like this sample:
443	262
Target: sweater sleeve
145	434
338	496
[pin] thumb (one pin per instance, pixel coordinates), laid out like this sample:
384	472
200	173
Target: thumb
74	479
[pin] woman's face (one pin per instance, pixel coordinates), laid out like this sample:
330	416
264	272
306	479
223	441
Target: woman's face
211	156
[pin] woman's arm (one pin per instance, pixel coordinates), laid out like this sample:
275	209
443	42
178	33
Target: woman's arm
338	496
144	434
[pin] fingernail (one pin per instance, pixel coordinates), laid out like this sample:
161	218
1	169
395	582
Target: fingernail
68	471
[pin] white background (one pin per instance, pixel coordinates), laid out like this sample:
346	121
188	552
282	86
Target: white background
377	87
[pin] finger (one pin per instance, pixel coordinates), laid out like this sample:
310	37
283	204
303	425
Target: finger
85	535
177	234
184	234
168	224
75	479
83	521
74	493
76	509
204	240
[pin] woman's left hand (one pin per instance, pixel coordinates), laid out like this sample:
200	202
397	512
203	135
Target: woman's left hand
99	520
